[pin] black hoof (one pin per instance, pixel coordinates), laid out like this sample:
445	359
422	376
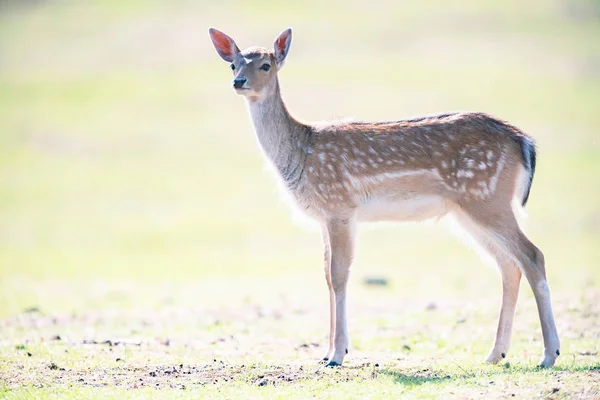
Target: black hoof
332	364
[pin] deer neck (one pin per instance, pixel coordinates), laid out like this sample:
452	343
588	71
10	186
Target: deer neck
283	139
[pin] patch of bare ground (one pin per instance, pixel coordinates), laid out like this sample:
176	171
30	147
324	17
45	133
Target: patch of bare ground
180	376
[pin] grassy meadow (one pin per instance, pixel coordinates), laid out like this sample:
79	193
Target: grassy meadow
146	251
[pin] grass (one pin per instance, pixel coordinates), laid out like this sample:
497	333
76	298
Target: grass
135	209
249	347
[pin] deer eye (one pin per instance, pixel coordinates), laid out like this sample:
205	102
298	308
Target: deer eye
265	67
232	67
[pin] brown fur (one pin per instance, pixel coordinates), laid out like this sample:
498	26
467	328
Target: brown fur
448	144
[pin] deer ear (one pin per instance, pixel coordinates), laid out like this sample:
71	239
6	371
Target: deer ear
224	45
282	45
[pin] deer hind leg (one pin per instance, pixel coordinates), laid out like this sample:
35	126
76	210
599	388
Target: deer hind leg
341	237
532	263
503	236
511	278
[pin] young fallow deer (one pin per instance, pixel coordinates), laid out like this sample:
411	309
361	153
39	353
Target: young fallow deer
470	165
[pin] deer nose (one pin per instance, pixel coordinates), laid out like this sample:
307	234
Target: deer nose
239	82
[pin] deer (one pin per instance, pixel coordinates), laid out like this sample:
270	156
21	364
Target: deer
469	165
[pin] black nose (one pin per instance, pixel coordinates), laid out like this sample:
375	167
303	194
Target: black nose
239	82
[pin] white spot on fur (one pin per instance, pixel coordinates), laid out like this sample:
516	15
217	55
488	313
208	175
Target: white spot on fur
494	179
466	173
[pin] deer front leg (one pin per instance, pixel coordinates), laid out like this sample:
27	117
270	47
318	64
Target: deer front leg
327	261
331	346
341	238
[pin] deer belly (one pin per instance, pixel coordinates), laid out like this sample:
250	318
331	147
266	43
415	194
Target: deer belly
410	208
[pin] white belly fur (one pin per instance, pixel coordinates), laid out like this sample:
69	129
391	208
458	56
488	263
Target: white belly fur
417	208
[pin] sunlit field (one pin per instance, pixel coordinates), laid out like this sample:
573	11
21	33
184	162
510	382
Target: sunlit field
146	250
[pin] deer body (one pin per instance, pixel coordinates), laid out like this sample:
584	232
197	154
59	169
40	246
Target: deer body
469	164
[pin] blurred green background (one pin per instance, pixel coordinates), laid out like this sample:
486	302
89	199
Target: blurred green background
129	170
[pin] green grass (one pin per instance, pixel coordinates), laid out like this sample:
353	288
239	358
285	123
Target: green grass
134	203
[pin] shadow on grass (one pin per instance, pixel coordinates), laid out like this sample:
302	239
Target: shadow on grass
507	368
416	379
441	375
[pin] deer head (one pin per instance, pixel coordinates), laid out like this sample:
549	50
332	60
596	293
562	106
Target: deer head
254	69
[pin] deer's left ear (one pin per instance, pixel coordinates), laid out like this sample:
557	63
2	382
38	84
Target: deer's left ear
282	45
